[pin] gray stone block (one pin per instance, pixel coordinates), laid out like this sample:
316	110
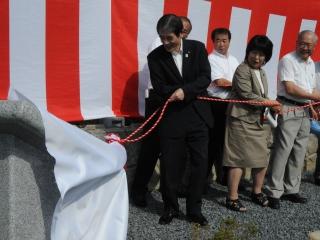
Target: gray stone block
28	189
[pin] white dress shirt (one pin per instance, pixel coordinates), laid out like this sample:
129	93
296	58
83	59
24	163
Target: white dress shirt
302	73
222	66
177	57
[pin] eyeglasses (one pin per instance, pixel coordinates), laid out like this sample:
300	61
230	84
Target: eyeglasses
304	44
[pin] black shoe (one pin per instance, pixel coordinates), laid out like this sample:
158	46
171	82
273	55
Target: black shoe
260	199
139	199
274	203
295	198
197	218
167	216
235	205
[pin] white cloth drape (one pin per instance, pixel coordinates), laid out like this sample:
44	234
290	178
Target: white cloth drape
90	177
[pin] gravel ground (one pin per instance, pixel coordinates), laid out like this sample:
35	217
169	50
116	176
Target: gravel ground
292	221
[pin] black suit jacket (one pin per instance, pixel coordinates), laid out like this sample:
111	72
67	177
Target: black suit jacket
196	77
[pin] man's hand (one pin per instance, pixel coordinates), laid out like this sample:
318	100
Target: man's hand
314	114
277	109
178	95
221	83
295	91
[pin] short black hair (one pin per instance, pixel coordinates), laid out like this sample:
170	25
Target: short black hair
169	23
260	43
217	31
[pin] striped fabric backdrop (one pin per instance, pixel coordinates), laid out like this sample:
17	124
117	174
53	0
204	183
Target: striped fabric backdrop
86	59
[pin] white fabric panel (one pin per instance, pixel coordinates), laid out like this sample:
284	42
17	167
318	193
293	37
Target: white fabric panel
149	12
308	25
199	14
95	59
98	211
94	201
80	157
275	31
239	27
91	180
27	49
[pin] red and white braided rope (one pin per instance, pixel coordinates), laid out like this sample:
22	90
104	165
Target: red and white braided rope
129	139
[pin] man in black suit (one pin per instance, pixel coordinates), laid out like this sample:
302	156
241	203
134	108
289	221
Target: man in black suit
180	71
150	146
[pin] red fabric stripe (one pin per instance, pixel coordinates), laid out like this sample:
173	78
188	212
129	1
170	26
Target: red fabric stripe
294	11
316	54
219	17
178	7
4	49
124	34
258	22
289	36
62	59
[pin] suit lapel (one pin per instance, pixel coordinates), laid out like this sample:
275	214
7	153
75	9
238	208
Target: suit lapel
186	56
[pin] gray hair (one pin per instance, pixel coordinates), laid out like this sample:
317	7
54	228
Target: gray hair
302	33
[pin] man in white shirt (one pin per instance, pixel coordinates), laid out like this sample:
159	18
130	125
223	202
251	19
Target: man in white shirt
223	66
296	87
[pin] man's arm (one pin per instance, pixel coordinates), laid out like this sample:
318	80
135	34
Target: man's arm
294	90
222	82
286	76
217	74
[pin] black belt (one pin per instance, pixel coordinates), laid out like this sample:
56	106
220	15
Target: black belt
291	101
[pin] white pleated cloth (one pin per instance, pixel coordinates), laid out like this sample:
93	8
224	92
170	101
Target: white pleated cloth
90	177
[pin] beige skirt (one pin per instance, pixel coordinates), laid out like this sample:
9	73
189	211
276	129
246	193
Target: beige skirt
246	144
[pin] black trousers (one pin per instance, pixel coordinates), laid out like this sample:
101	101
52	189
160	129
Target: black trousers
149	152
194	139
216	142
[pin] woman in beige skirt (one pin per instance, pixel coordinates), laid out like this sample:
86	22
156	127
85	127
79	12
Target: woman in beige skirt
246	139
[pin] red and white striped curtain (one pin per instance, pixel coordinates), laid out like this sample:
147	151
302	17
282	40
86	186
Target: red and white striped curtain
86	59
